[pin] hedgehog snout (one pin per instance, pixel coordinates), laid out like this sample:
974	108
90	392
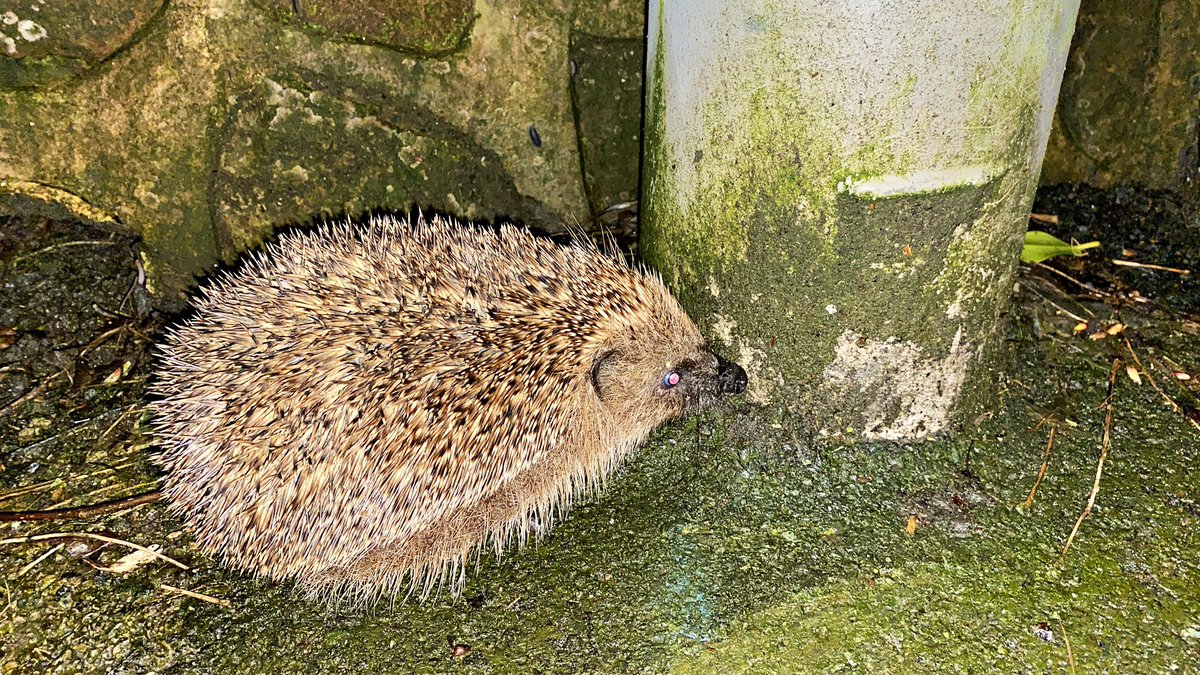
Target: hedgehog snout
731	377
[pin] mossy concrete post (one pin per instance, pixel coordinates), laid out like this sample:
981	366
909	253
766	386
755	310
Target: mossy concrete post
838	190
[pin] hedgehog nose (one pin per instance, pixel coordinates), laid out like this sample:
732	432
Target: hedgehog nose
730	376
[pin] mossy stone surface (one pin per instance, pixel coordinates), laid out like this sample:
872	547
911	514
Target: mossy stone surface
423	28
735	542
606	87
868	312
42	43
1128	112
469	105
338	156
617	19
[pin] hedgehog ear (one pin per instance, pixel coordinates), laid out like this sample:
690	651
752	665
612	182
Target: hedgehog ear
600	370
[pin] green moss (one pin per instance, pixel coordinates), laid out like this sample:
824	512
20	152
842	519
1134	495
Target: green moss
962	618
32	72
728	535
769	175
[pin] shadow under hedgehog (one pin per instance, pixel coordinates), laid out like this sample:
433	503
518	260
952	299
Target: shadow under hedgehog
361	408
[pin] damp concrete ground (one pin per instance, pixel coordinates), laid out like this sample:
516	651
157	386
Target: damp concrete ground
734	542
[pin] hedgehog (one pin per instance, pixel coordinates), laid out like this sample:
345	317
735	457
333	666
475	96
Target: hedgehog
363	408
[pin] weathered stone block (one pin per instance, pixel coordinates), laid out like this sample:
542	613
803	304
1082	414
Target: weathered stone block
202	126
1128	110
607	88
42	41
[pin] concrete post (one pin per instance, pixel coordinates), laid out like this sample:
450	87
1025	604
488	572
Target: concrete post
837	190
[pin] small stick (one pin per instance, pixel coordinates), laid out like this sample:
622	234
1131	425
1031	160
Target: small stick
1104	446
99	537
12	405
1073	280
1175	369
1028	503
29	489
1057	306
101	339
193	594
1067	641
82	512
38	487
129	410
53	549
135	491
1154	383
1148	266
1044	218
65	244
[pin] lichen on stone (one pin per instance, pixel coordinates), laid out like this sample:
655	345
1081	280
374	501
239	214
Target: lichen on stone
903	391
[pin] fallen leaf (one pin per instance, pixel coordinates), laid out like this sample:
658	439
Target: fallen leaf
1041	246
1133	374
114	376
130	562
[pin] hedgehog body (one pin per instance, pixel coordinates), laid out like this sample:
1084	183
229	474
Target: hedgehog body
362	408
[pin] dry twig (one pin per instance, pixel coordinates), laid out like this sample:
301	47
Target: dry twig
42	386
132	490
1148	266
1053	304
193	594
1154	383
82	512
96	536
1077	282
1067	641
61	245
53	549
46	484
1105	443
1028	503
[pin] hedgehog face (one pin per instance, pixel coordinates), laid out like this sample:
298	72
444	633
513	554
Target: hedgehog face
700	380
647	388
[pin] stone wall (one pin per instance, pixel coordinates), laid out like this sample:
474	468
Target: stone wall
202	125
1130	100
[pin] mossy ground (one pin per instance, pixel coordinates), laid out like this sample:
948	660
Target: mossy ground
733	542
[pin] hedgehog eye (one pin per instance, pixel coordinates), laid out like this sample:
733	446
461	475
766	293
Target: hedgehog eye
671	379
